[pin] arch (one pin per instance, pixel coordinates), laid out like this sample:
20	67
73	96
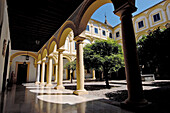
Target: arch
51	44
52	47
88	12
139	35
39	58
65	29
55	60
23	53
67	57
44	54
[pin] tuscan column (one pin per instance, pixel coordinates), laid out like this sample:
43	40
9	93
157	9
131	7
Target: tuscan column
50	67
133	77
80	67
93	72
42	72
56	72
38	74
71	46
60	70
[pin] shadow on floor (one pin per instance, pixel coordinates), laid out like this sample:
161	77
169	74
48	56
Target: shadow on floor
90	87
159	97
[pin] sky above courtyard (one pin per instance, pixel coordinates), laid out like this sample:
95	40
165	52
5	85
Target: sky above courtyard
108	9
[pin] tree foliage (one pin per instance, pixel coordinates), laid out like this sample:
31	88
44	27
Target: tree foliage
103	55
153	49
70	65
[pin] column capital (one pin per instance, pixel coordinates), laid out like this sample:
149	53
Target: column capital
126	8
79	38
43	60
60	49
39	62
50	56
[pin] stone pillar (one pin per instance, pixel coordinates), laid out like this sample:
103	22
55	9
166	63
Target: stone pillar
50	70
56	72
93	72
42	73
60	70
133	77
80	67
38	74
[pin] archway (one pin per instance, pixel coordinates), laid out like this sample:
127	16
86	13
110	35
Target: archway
23	65
20	53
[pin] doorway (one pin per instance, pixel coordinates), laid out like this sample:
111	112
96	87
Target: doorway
22	73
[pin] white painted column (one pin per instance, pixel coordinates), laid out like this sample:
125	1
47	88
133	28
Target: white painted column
38	74
50	69
56	72
42	73
60	70
80	67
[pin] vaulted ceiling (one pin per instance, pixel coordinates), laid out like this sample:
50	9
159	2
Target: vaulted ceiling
31	20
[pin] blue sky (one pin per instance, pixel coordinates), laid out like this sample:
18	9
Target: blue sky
112	18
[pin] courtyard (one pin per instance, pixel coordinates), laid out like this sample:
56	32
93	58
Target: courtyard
30	98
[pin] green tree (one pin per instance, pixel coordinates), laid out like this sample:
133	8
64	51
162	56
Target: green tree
153	51
72	67
105	56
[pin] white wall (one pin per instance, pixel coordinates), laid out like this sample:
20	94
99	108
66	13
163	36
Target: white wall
32	68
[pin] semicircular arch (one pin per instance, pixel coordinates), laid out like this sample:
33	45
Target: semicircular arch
33	55
65	29
86	14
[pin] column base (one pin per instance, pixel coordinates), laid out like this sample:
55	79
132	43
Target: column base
80	92
42	83
37	83
135	105
49	85
55	81
59	87
94	78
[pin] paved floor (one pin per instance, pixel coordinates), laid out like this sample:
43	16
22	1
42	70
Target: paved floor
29	98
34	99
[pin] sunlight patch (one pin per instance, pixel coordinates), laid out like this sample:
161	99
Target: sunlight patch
67	99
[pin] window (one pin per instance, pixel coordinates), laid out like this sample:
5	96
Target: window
87	28
156	17
110	35
96	30
117	34
140	24
104	33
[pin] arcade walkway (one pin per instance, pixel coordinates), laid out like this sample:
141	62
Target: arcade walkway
33	99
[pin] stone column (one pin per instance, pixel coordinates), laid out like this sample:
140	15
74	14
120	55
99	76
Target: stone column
133	77
80	67
50	70
56	72
42	73
38	74
93	72
60	70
